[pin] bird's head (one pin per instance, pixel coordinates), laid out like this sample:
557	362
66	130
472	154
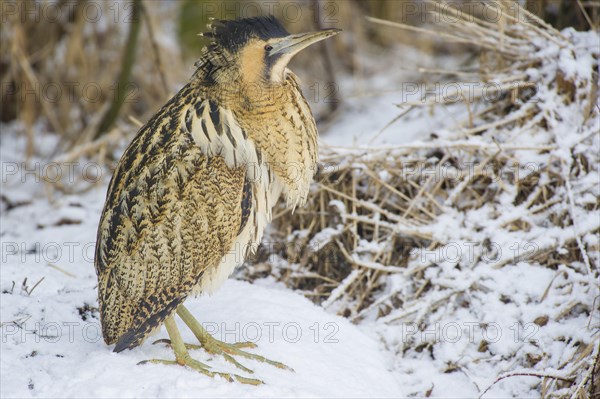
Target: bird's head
257	49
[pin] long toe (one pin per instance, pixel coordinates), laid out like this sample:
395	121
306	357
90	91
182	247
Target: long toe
168	343
228	351
203	368
216	347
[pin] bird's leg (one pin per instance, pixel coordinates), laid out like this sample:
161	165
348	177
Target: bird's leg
217	347
183	358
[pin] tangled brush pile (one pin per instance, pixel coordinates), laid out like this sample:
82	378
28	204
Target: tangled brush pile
488	230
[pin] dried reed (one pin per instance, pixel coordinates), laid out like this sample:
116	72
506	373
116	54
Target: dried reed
355	248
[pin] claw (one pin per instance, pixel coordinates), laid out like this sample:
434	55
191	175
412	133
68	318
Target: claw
248	344
203	368
162	341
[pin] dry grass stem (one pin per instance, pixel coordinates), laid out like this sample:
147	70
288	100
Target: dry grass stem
373	221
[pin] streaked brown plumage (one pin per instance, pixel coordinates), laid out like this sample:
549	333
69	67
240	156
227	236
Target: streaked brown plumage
195	188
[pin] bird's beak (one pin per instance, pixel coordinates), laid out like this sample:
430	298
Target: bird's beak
292	44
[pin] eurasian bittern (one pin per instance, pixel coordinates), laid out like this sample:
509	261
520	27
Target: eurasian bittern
193	192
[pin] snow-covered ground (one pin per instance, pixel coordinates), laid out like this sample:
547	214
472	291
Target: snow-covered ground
51	339
51	343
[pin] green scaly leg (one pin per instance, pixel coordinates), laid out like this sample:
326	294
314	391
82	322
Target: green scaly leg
183	358
216	347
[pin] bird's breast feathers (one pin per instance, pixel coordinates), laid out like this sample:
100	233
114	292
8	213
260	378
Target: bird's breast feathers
278	148
216	131
277	145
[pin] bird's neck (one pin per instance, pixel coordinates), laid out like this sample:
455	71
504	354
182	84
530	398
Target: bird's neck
279	122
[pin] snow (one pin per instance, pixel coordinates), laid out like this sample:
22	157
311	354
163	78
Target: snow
51	344
366	114
330	356
514	314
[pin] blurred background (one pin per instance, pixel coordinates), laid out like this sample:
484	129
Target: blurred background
82	69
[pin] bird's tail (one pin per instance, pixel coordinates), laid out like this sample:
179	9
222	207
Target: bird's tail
145	324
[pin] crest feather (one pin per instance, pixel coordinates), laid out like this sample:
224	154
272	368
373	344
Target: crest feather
233	34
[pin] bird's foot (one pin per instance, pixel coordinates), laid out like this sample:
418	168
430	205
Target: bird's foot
183	358
186	360
216	347
228	351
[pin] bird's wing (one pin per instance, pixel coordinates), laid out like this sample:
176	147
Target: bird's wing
174	207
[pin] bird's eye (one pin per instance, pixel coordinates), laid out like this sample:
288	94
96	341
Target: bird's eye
268	47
